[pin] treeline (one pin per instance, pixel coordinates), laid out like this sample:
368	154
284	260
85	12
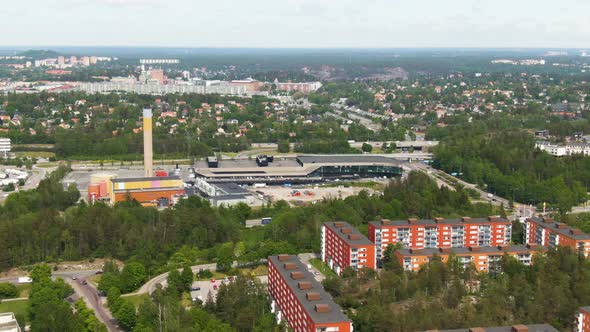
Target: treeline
505	162
448	296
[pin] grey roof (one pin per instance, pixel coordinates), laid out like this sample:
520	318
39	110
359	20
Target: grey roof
531	328
361	241
586	309
334	316
154	178
231	188
432	222
565	230
346	159
517	248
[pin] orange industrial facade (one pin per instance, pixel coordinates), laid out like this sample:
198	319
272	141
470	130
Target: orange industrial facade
547	232
300	300
484	259
148	197
440	233
583	320
344	246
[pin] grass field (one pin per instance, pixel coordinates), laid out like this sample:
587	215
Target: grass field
322	267
35	154
18	307
136	299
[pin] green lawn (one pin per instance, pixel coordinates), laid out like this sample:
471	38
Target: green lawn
18	307
136	299
322	267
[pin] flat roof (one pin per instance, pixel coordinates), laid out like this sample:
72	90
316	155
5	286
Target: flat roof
346	159
531	328
231	188
153	178
335	315
433	222
517	248
565	230
586	309
334	226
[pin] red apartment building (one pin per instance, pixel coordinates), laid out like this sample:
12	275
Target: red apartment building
344	246
440	233
547	232
583	320
485	259
299	299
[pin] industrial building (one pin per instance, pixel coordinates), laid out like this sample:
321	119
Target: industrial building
484	259
547	232
226	193
300	300
302	169
149	190
513	328
440	233
344	246
583	320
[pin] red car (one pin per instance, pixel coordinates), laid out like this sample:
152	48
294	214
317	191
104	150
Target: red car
215	287
213	280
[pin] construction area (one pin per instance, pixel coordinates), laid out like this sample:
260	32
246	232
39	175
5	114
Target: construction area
305	194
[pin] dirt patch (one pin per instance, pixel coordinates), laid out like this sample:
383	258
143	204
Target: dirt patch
307	194
61	267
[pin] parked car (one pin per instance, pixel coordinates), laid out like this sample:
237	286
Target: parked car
84	282
196	288
215	287
213	280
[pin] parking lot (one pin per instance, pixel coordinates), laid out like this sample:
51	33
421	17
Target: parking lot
201	289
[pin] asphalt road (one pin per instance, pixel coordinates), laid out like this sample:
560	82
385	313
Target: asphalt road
90	295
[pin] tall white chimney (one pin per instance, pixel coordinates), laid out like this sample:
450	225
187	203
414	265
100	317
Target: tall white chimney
147	142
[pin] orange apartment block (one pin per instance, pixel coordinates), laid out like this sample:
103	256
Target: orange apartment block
344	246
485	259
440	233
547	232
300	300
583	320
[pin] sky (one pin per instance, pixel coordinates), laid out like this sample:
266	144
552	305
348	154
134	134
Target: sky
297	23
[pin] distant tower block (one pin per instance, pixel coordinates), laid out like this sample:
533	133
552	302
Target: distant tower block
147	142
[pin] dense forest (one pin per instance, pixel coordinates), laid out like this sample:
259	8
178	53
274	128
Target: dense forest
447	296
506	162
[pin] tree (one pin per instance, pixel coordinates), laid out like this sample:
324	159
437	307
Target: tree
187	278
283	146
8	290
175	281
126	315
132	276
366	147
114	299
225	256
